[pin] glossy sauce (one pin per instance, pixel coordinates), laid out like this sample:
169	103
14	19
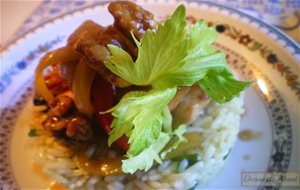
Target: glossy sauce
249	135
57	186
103	166
246	157
38	169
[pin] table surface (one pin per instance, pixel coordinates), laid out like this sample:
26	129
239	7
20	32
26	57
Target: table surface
16	14
13	15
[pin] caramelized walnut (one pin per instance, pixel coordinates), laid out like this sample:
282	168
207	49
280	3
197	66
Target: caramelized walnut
79	129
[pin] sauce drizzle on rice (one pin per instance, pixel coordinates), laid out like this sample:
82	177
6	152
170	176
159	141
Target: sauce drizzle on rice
249	135
38	169
212	150
57	186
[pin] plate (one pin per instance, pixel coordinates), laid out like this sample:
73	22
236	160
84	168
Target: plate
255	51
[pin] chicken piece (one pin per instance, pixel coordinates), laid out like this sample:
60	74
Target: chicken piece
53	123
191	106
79	129
181	93
111	35
84	41
85	35
91	39
130	17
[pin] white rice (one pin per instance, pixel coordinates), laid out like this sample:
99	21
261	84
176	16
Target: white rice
219	125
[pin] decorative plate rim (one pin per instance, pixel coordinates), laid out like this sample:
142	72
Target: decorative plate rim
24	36
5	49
276	30
288	44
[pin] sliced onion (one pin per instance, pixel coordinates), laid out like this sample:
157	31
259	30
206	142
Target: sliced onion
61	55
82	83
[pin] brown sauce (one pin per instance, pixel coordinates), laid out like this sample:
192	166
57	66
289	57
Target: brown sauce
249	135
57	186
38	169
246	157
103	166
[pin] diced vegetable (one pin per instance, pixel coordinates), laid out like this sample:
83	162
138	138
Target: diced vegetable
103	88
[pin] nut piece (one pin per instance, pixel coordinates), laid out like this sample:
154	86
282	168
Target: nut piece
60	105
131	17
79	129
54	123
55	84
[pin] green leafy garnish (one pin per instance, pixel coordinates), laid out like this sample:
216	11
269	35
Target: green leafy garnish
33	133
159	53
141	115
145	159
190	158
225	157
167	58
145	118
225	82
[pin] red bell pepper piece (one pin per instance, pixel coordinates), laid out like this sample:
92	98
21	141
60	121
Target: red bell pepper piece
103	96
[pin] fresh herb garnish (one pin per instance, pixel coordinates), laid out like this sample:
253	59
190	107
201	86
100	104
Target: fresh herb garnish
225	157
191	159
33	133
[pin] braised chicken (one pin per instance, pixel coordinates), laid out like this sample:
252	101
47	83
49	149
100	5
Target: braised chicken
191	105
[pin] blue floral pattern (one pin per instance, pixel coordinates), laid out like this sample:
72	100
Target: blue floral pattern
261	9
266	52
281	125
6	76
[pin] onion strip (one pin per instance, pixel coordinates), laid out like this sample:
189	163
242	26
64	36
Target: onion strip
82	83
60	55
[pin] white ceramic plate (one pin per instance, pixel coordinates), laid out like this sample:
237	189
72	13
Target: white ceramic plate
256	51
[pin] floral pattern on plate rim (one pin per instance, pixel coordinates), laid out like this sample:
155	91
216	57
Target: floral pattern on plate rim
253	45
281	125
244	39
6	76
